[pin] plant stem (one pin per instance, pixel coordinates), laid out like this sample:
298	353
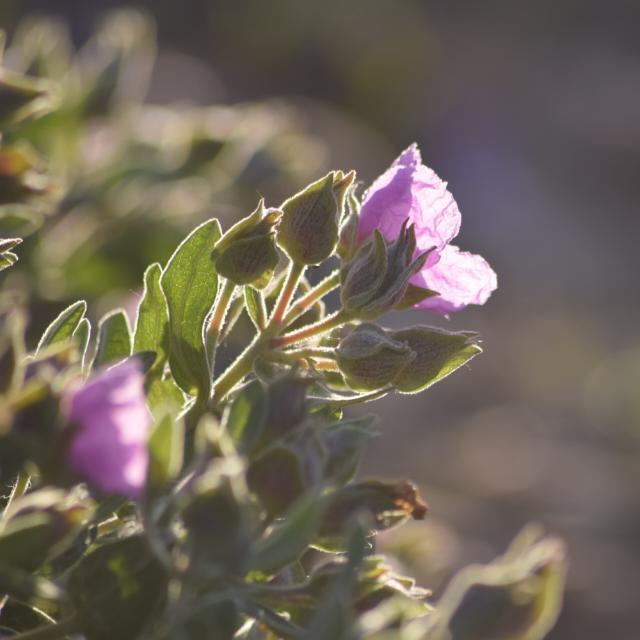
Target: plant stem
221	307
286	293
19	488
50	632
315	329
269	336
235	311
239	369
302	304
294	355
325	365
217	320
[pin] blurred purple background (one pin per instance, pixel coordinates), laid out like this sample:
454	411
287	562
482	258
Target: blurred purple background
531	111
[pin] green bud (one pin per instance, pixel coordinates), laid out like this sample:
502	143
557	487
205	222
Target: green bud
437	354
285	472
308	231
362	276
377	278
369	359
287	405
384	504
348	240
246	254
342	188
218	523
345	442
277	478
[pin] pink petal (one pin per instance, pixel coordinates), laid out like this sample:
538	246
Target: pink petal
408	189
461	278
109	446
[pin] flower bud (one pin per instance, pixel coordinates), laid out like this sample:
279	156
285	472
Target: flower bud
376	279
386	504
369	359
287	405
246	254
277	478
437	354
283	473
218	525
308	231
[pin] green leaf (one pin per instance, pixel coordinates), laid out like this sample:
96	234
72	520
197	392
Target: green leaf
63	327
152	323
6	244
164	396
245	418
114	339
117	589
7	259
190	284
256	307
83	334
166	449
289	540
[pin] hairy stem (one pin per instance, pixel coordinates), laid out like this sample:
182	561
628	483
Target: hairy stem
217	320
235	311
286	293
220	308
268	338
294	355
239	369
305	302
310	331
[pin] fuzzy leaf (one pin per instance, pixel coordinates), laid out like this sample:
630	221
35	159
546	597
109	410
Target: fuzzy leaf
114	339
64	325
190	284
246	416
289	540
166	448
152	322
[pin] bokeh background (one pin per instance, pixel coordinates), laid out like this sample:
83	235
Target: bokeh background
531	111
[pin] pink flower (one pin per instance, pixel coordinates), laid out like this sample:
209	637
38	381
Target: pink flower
409	189
109	445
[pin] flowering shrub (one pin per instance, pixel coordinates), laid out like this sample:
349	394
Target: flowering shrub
159	493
